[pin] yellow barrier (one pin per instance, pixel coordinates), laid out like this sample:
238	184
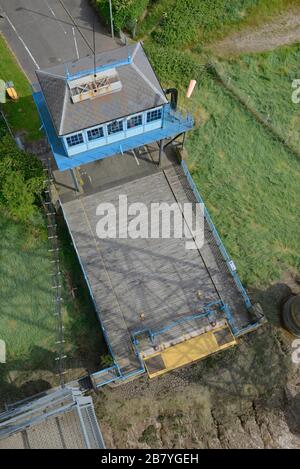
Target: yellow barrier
189	351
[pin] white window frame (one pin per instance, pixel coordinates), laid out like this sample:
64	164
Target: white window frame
135	115
119	131
93	128
81	132
160	108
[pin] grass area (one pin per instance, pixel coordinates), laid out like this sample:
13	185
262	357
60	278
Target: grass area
199	22
265	82
251	183
27	322
22	114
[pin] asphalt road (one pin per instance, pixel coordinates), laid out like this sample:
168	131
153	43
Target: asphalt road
41	33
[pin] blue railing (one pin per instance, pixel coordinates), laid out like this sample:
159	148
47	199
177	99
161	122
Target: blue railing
169	115
218	240
208	310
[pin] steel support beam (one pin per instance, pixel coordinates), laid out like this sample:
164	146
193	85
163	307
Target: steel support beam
161	149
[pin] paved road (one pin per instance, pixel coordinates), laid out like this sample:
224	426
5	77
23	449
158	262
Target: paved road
41	33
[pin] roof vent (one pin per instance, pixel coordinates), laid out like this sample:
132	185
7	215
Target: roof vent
92	86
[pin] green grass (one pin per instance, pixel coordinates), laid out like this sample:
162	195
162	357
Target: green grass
265	82
199	22
250	183
22	114
27	322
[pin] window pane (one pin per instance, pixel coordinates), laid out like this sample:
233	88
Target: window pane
154	115
134	121
93	134
73	140
114	127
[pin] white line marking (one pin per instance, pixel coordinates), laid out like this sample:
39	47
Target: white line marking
22	41
53	13
75	41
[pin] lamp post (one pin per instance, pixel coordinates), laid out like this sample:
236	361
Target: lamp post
111	20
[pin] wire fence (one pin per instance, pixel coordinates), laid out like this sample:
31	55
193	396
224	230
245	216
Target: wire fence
56	272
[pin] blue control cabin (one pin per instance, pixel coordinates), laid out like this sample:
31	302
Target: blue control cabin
105	105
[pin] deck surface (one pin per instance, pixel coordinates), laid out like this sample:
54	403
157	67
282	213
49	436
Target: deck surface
140	283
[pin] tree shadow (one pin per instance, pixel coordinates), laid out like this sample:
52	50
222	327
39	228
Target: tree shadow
38	364
82	329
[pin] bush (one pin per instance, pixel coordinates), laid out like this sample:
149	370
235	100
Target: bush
149	436
18	196
21	179
125	12
172	65
189	21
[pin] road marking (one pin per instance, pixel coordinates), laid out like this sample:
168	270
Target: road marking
22	41
57	19
75	41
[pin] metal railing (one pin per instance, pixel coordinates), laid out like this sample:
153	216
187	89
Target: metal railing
228	260
210	309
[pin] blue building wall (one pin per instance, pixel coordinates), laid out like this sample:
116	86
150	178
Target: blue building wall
135	124
171	124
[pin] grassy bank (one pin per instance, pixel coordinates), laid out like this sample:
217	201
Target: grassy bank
198	23
22	114
27	322
265	82
250	184
249	181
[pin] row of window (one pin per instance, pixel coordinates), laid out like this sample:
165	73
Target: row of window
114	127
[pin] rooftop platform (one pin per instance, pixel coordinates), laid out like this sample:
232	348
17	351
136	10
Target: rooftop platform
149	293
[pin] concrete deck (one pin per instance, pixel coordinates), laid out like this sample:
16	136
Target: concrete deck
141	284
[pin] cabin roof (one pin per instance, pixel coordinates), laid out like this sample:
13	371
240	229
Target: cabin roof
140	90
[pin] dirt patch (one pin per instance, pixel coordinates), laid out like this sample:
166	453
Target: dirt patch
283	30
247	397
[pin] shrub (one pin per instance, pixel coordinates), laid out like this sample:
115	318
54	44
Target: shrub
193	20
149	436
125	12
18	196
21	179
173	65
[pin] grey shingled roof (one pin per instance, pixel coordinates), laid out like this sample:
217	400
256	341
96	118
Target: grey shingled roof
140	90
